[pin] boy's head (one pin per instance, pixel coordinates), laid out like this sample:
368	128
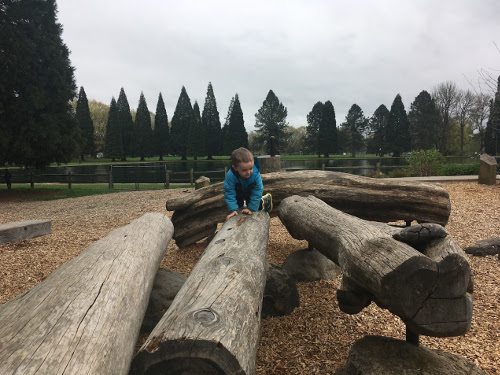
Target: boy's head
242	161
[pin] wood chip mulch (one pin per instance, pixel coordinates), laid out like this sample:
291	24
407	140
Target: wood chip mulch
317	336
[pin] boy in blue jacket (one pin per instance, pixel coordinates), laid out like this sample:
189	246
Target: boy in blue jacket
244	184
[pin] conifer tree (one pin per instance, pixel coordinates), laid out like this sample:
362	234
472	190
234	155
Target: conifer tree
113	147
161	131
353	129
211	123
424	120
314	119
225	141
327	132
36	87
181	121
398	129
492	133
196	135
126	125
143	130
236	135
378	128
86	125
270	120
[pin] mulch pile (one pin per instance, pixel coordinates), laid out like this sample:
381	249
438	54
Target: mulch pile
317	336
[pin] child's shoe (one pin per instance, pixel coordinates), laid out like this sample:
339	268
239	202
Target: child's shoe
267	202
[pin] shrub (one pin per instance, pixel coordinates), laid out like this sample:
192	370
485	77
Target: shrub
425	162
459	169
400	172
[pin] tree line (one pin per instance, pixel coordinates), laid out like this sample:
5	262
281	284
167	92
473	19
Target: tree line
39	125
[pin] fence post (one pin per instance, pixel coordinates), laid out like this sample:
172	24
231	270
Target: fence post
69	180
191	176
111	177
136	178
167	178
32	180
225	171
322	166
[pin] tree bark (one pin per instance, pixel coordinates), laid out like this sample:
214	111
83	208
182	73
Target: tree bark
212	326
429	293
366	198
85	317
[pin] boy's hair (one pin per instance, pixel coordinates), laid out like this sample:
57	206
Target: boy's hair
241	155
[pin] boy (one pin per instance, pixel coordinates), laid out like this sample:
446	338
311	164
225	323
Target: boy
244	184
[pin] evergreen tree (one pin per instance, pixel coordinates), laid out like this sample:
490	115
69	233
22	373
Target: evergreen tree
143	131
398	129
492	133
353	129
181	120
270	120
36	87
86	125
161	131
236	135
196	135
327	132
424	120
126	125
314	120
113	147
211	123
378	127
225	141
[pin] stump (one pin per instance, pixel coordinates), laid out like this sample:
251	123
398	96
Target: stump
23	230
428	290
212	326
487	170
85	317
201	182
270	164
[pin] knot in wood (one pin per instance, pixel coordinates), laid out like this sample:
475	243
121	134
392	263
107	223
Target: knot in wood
206	316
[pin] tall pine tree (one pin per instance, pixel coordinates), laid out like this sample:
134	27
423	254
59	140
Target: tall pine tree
37	86
161	131
143	130
196	135
424	121
225	141
236	135
126	125
314	120
86	125
378	128
398	129
211	124
327	132
353	129
270	120
113	147
181	121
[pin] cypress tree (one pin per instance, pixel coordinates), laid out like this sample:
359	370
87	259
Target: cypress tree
143	130
126	125
237	135
113	147
314	120
378	128
424	120
327	132
353	128
181	121
398	129
196	135
225	141
270	120
211	123
86	125
161	131
37	86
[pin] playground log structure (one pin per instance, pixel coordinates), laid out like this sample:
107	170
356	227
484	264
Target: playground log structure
418	273
197	214
85	317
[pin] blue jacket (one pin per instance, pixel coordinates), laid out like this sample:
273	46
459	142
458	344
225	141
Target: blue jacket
236	190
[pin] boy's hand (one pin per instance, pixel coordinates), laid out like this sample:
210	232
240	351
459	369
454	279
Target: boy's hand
246	211
234	213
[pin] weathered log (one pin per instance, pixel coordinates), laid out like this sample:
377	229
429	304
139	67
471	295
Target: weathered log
212	326
367	198
378	267
23	230
85	317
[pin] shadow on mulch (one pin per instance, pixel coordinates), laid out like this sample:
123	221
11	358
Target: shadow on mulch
24	195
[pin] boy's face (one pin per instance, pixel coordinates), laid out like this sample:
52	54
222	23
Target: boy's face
245	170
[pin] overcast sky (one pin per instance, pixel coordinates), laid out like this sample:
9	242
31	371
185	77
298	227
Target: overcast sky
363	52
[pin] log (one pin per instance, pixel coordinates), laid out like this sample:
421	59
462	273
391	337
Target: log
85	317
366	198
23	230
376	266
212	326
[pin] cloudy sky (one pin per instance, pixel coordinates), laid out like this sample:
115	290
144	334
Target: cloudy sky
363	52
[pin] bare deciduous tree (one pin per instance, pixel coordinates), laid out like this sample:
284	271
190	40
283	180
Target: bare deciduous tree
446	96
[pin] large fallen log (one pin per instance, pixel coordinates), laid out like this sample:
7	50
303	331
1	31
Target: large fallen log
85	317
427	287
23	230
212	326
197	213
